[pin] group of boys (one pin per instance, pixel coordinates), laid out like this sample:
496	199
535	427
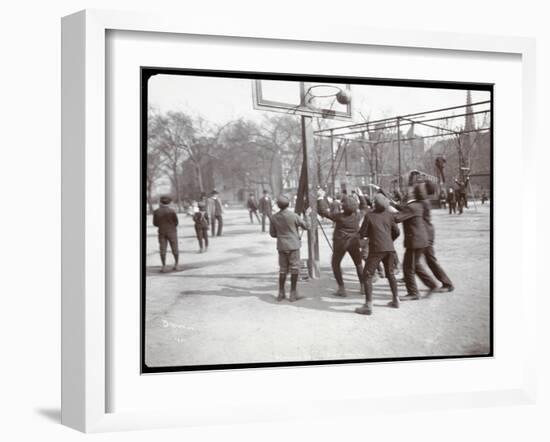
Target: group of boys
456	199
209	213
359	219
379	227
264	206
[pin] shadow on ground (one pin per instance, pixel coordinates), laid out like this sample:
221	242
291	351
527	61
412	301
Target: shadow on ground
263	286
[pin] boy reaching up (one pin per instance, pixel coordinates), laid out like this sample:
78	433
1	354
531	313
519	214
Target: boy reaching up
284	226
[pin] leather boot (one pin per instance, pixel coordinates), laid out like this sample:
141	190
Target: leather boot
282	279
341	291
293	293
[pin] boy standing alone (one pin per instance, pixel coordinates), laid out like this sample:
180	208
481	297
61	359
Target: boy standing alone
167	222
284	226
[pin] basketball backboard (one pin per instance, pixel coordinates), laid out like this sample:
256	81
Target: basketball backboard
312	99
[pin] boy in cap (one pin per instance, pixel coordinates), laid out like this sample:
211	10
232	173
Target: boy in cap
345	239
167	222
201	221
284	226
380	228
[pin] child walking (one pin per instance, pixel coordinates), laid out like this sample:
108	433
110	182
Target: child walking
201	227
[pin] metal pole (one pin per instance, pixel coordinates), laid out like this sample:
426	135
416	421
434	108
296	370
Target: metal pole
333	171
399	154
310	160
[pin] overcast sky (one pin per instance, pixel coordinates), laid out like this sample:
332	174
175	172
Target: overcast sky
223	99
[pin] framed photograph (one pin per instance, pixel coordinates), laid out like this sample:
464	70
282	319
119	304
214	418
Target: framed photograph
247	214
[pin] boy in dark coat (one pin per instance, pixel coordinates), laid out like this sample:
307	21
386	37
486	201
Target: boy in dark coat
167	222
345	239
380	228
284	226
416	244
431	260
201	221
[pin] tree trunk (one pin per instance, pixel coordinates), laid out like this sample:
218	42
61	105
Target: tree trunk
176	186
198	173
149	196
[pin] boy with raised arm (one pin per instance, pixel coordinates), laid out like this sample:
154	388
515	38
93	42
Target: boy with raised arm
345	239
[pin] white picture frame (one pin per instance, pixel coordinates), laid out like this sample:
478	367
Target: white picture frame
85	352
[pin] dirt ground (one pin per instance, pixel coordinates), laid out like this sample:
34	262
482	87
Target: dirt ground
220	307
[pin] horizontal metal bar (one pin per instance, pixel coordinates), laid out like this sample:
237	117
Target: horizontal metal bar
358	140
367	123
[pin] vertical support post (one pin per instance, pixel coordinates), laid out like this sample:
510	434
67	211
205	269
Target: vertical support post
332	158
399	154
310	159
346	170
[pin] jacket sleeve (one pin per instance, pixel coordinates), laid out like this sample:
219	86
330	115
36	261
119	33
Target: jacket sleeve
323	209
302	223
272	230
404	215
395	232
364	202
155	219
175	217
364	230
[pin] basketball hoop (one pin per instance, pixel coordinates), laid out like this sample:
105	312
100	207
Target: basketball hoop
322	100
323	96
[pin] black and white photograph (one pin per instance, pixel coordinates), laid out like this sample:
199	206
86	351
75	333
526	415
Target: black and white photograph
303	220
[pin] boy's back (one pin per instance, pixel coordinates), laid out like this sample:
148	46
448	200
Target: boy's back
381	229
201	220
165	219
284	226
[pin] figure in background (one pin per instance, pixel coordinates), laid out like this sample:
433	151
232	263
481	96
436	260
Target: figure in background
266	208
215	211
451	200
166	219
443	199
252	206
200	218
461	194
284	226
483	196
